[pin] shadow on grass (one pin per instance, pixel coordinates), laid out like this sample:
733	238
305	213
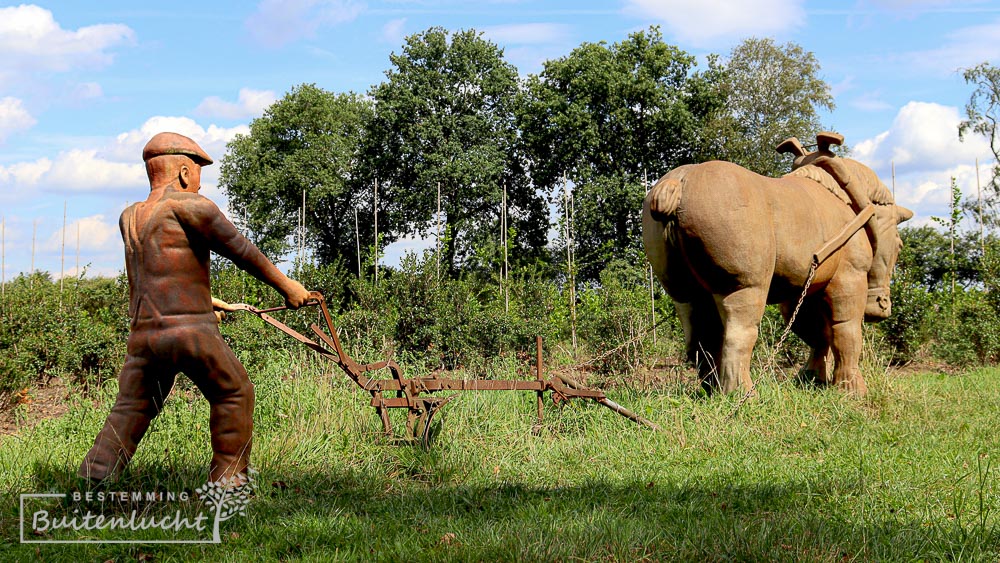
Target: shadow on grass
354	516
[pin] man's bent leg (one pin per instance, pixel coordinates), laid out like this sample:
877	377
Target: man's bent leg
142	390
224	382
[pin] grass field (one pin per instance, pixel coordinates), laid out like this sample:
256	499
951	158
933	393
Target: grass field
798	474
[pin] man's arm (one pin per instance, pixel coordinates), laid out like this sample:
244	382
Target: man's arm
224	239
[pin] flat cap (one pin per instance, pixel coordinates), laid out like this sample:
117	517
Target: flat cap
175	143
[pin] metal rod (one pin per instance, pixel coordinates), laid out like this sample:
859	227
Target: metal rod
612	405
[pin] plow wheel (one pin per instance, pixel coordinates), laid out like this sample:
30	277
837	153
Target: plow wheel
420	418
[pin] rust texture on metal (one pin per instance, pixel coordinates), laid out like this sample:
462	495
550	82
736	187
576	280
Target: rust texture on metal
408	392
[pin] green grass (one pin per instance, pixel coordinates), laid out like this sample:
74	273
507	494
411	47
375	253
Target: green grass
797	474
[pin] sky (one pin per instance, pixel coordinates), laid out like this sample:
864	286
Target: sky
84	85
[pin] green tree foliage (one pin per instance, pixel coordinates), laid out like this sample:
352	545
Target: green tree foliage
983	118
605	117
928	261
770	92
306	142
445	116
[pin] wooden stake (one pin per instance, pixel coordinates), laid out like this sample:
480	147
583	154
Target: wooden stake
62	257
376	231
893	165
3	257
539	376
31	273
77	255
303	242
568	210
979	197
505	277
357	239
652	290
439	233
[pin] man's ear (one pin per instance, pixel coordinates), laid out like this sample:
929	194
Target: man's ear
185	175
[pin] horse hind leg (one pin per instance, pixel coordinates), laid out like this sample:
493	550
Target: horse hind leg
741	312
703	338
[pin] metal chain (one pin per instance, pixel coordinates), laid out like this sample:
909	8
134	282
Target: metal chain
784	335
614	350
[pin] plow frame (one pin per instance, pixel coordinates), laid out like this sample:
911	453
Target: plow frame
400	392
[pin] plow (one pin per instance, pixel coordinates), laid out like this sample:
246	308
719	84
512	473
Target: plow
419	396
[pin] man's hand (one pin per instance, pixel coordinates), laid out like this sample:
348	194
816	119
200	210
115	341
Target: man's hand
220	307
296	295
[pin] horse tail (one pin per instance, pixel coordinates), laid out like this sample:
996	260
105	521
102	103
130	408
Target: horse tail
665	196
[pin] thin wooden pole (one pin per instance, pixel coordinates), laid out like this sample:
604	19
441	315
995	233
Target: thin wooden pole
31	273
568	210
503	238
439	232
3	257
78	256
893	166
357	239
539	376
303	240
62	257
652	290
376	231
572	239
979	197
951	235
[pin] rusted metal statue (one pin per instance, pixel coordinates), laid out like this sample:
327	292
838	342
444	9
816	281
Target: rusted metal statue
174	327
821	242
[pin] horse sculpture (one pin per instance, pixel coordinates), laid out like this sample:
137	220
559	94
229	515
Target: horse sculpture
725	241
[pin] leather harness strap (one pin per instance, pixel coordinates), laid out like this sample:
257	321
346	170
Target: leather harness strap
845	234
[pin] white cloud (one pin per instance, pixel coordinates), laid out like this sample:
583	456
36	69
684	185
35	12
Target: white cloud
31	40
279	22
250	103
708	22
118	165
128	146
85	170
394	31
93	234
922	146
13	117
923	136
24	173
527	33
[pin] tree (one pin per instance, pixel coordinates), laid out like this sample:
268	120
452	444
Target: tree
770	93
308	141
445	117
931	258
606	117
982	117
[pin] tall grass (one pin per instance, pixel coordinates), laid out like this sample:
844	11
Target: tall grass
798	474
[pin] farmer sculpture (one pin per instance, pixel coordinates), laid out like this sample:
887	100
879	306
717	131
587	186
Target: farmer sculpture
725	242
168	242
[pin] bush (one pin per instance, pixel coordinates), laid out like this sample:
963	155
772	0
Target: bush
78	332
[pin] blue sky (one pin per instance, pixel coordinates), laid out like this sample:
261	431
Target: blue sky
83	85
